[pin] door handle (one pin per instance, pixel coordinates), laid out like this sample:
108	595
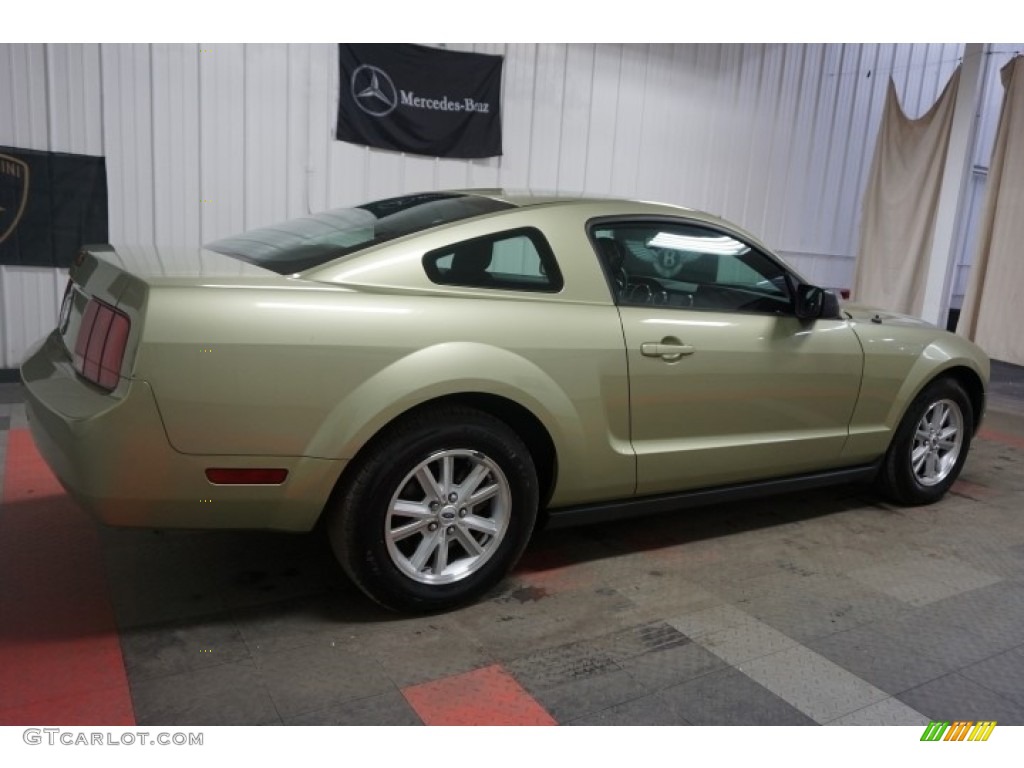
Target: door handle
666	350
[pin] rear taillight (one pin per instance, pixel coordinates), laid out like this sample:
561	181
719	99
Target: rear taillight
99	349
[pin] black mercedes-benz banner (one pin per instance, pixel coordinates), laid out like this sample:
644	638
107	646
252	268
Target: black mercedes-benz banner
426	101
51	203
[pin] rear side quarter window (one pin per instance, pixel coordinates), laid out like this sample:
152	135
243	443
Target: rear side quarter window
516	260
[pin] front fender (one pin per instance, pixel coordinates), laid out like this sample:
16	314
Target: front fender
899	362
938	358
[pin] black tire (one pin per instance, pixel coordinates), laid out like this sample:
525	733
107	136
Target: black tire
898	479
364	530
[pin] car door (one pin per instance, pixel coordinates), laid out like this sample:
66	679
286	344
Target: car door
726	384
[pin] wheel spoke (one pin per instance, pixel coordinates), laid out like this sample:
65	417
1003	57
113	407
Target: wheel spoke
922	433
441	559
918	457
482	524
428	483
447	470
468	542
483	495
407	530
415	509
944	416
473	480
425	550
932	464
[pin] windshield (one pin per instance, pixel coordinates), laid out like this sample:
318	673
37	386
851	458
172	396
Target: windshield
300	244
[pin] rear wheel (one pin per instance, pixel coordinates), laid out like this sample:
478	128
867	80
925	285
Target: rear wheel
437	511
930	445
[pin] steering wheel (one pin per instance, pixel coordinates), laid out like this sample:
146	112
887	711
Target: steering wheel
646	290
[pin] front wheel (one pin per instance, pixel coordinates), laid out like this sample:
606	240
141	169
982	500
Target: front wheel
438	510
930	445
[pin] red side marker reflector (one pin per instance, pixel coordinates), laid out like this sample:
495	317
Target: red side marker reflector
488	696
253	476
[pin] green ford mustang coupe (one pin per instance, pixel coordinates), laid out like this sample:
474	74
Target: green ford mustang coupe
429	373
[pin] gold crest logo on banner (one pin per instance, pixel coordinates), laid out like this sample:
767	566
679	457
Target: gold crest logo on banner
14	182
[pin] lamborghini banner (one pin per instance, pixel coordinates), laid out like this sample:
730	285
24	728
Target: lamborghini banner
51	203
425	101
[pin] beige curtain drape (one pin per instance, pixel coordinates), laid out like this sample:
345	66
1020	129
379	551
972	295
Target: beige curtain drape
900	201
994	302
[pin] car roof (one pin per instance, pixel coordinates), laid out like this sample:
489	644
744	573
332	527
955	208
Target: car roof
524	198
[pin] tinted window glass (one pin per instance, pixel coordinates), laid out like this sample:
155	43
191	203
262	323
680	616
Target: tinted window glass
689	266
518	260
300	244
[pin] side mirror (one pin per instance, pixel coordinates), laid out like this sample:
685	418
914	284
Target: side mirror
810	300
813	302
830	306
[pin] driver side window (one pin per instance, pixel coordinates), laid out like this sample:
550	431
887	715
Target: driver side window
687	266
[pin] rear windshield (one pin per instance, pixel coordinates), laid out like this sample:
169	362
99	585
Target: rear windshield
300	244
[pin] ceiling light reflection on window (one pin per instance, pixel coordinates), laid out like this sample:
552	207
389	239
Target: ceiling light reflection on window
721	245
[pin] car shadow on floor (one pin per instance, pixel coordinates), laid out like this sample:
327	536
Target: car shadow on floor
159	576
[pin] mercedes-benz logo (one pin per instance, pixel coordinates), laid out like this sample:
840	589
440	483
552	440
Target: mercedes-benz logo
373	91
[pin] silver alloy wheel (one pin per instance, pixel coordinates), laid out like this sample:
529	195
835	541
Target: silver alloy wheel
448	517
938	438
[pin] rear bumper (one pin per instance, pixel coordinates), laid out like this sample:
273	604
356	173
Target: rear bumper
111	453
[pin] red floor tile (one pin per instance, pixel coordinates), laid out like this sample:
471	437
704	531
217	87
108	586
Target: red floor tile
97	707
60	657
1001	437
487	696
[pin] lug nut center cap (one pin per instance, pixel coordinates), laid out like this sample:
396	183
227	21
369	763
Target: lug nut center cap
448	514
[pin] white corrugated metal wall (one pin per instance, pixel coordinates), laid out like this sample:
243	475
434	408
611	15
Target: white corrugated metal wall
205	140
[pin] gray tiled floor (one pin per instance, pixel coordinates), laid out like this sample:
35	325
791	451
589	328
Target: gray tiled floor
1003	674
586	696
233	693
957	692
815	685
885	712
649	710
879	659
389	708
825	607
729	697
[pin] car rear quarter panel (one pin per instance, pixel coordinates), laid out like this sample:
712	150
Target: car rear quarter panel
318	371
